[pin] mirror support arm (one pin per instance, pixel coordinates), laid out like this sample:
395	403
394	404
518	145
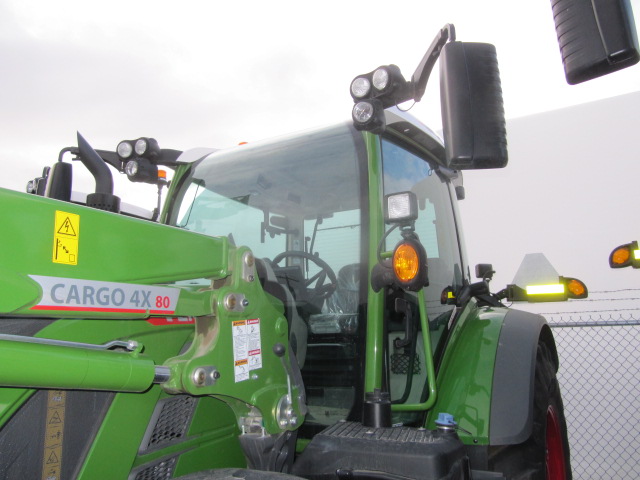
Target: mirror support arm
423	71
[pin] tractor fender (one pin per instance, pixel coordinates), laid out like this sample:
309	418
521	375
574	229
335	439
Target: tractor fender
511	415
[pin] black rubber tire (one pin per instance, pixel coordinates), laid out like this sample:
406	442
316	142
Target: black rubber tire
238	474
531	460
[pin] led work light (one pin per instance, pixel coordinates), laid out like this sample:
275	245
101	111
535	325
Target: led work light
401	208
139	159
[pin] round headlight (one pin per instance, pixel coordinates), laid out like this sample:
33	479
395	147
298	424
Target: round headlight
141	146
381	78
131	168
124	149
362	112
360	87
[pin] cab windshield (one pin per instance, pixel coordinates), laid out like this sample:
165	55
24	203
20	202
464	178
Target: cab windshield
297	202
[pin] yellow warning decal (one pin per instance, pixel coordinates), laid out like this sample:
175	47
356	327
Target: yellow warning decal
53	435
66	237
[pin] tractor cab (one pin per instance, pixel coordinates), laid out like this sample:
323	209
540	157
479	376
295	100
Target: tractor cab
308	207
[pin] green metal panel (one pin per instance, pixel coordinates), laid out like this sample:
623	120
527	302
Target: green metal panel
375	301
466	374
116	445
240	305
108	248
214	427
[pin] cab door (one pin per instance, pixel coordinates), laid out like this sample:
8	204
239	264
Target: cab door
405	370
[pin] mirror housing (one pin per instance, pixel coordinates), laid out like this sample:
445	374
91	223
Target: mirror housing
472	110
596	37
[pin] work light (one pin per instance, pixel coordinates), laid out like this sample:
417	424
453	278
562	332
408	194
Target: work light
141	146
401	208
381	78
147	147
141	170
124	149
369	115
360	87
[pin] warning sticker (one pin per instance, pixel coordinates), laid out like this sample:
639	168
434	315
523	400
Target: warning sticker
53	435
66	237
247	349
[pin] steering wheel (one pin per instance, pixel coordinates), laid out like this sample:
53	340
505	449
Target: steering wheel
320	290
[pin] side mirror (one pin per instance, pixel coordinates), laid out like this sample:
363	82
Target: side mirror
596	37
473	120
60	181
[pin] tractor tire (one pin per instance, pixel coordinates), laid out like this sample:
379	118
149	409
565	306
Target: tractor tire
238	474
545	455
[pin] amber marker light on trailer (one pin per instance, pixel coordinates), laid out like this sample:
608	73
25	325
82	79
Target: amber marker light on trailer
566	288
627	255
552	292
551	289
576	289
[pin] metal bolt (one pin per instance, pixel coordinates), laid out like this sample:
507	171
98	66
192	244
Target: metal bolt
215	374
230	302
199	376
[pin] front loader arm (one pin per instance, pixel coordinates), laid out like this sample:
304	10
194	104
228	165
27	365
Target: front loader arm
115	267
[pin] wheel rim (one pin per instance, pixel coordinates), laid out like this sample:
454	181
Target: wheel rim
555	447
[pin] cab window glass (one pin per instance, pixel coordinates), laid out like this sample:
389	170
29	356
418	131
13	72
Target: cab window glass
405	171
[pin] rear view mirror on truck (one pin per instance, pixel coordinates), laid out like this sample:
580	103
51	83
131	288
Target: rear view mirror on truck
472	111
596	37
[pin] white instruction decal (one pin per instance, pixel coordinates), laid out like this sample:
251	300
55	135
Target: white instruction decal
247	350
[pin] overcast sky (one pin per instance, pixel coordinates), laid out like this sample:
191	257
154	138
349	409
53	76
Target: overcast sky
211	73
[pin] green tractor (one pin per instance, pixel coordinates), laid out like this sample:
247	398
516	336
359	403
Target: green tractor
301	307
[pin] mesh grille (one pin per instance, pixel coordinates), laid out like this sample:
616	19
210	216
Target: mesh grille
158	471
172	421
400	364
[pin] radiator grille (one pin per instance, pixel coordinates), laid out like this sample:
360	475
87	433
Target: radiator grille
169	422
158	471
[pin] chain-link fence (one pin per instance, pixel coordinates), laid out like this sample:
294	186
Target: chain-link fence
600	381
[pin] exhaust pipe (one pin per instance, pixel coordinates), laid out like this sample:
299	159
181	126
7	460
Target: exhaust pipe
103	198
